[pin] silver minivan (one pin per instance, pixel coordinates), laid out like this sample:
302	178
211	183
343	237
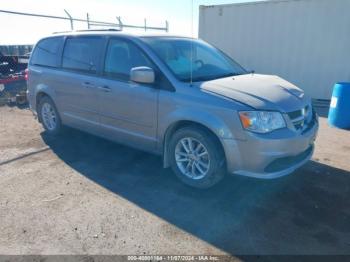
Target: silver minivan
173	96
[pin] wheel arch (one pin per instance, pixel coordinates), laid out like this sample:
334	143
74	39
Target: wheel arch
182	124
41	91
40	95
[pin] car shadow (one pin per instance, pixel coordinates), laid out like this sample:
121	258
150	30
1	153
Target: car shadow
304	213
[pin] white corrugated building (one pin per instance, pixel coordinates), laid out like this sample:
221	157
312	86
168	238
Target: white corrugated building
306	42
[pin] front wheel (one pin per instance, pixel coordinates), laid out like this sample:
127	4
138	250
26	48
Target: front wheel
196	157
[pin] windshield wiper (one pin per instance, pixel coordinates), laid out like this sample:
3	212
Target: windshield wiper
209	78
228	75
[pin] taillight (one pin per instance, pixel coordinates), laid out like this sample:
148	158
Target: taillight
26	74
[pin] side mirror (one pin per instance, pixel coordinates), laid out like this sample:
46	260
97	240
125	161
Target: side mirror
142	74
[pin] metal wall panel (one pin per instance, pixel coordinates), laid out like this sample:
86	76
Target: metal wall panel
307	42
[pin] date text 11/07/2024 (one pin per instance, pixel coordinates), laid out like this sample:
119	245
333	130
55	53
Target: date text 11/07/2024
173	258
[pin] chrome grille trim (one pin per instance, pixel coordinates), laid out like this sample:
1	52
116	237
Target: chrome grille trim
300	117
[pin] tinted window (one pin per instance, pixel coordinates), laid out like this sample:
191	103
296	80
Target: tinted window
121	57
82	54
46	52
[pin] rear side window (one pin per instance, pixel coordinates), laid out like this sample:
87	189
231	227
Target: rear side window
46	52
82	54
121	57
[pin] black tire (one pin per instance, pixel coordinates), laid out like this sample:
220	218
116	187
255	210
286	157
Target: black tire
58	126
217	165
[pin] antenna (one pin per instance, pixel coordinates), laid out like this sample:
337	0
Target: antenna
191	66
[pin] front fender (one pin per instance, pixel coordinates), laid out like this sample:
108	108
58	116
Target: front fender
221	122
211	121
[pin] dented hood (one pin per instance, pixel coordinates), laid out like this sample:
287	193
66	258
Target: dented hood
259	91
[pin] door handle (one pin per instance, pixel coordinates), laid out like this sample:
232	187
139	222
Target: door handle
87	85
104	88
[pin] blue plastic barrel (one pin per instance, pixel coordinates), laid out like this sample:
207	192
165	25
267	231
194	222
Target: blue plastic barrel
339	111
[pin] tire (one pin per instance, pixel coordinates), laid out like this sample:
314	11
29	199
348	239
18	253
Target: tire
46	112
212	162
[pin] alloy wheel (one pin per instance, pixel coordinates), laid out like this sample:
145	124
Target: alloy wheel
192	158
49	116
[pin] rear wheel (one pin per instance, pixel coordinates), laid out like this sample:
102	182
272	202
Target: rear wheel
49	116
196	157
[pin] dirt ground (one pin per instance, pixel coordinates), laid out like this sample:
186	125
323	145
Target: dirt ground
78	194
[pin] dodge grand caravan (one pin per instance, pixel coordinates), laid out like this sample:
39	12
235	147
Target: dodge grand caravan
173	96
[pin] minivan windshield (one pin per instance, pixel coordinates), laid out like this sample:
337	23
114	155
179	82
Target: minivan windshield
193	59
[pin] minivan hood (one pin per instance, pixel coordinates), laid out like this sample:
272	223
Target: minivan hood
264	92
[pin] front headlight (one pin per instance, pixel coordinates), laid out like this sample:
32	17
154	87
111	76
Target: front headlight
261	121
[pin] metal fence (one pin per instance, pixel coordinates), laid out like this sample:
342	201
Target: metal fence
118	24
15	50
14	58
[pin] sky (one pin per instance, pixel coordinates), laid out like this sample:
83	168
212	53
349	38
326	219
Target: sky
16	29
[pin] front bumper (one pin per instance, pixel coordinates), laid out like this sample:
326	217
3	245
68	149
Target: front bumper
270	155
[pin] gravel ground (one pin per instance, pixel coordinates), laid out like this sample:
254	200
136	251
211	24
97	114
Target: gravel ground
78	194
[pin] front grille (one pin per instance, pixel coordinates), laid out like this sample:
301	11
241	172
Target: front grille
301	117
295	114
285	162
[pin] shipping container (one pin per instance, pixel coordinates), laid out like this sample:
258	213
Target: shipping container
307	42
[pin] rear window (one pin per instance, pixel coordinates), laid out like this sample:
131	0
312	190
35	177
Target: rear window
82	54
46	52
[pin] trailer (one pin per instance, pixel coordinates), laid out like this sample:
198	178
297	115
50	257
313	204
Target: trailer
306	42
13	79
